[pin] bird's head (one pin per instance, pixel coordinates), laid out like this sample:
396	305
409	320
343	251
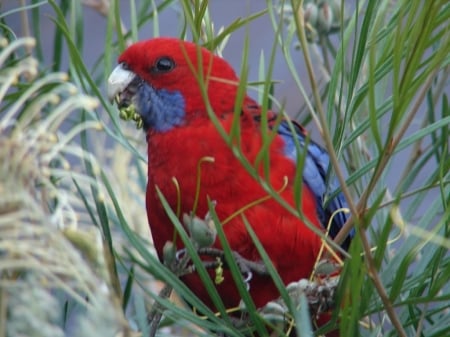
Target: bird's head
157	83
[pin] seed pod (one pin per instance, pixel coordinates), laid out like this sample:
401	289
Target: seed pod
324	18
203	233
169	253
310	13
326	267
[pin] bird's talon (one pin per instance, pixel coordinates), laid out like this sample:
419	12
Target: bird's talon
248	277
180	254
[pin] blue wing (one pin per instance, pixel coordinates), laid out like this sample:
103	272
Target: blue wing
315	170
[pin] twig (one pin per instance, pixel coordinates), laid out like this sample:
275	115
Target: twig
300	25
155	315
326	62
25	26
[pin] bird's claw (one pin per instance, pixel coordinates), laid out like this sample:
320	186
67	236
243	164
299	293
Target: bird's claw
180	254
248	276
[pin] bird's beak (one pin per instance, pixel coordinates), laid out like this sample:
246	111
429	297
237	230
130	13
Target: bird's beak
122	87
118	82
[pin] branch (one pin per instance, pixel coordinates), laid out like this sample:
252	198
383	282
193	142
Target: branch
319	293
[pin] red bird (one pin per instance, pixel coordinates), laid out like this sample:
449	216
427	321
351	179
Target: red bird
159	78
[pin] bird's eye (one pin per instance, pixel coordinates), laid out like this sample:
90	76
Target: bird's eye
125	66
163	65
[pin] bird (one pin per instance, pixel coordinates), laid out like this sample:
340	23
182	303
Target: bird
160	79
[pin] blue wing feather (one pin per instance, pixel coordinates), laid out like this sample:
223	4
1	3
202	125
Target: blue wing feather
316	164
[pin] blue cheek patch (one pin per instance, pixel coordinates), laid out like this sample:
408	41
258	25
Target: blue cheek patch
161	110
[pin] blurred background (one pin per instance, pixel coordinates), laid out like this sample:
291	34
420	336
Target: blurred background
90	237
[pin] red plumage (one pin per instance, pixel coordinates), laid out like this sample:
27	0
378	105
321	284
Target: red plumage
176	152
291	246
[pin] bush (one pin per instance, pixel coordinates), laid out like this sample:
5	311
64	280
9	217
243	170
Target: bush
75	251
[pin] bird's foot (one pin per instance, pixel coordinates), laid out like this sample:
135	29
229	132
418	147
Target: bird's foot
246	267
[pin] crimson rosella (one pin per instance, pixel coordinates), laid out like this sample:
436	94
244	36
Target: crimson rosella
159	78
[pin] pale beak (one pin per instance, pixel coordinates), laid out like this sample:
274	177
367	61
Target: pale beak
118	81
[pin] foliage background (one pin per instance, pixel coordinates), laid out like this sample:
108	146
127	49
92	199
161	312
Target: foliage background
72	179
